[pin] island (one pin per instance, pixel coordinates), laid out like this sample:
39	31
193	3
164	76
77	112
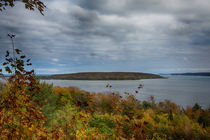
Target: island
103	76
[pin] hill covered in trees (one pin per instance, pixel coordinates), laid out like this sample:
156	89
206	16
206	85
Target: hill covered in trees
103	76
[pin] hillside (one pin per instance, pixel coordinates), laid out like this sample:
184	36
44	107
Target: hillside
103	76
193	74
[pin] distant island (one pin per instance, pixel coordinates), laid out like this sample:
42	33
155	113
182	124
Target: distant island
193	74
103	76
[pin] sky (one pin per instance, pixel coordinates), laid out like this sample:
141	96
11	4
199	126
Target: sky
154	36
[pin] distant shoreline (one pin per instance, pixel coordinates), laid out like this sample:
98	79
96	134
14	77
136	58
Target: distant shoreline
193	74
103	76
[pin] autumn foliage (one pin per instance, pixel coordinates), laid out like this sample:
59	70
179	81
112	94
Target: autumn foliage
20	117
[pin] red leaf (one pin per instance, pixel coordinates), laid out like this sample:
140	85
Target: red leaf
17	51
29	64
23	56
5	63
7	54
28	60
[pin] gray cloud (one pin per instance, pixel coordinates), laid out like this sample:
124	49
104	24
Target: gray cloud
107	35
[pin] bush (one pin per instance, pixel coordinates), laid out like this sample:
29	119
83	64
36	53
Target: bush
104	123
2	86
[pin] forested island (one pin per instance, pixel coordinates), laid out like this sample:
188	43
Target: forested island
103	76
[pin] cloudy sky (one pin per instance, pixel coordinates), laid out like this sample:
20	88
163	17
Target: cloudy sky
157	36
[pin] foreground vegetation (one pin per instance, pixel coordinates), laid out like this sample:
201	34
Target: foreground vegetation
103	76
81	114
71	113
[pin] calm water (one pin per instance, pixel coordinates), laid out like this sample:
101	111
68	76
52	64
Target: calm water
183	90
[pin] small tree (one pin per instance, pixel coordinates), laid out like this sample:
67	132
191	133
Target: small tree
19	117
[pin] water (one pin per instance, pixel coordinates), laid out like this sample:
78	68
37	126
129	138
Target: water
183	90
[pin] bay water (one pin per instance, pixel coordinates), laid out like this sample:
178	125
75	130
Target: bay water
183	90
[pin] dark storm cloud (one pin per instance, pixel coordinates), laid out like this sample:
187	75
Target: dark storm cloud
112	35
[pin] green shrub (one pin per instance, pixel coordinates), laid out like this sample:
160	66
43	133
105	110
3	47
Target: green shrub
80	98
2	85
104	123
146	105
